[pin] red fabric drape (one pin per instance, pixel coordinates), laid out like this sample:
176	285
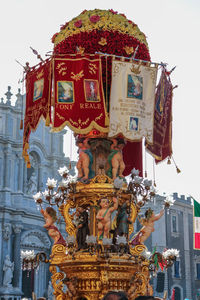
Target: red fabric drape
132	155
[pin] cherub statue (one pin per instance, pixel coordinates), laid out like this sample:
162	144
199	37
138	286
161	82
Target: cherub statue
71	286
148	226
50	218
85	161
104	217
115	159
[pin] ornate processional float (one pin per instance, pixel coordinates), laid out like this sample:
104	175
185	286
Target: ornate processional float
100	82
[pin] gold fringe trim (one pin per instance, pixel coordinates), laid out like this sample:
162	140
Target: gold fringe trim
47	123
21	124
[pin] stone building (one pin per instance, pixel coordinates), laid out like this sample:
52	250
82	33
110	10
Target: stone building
175	230
21	225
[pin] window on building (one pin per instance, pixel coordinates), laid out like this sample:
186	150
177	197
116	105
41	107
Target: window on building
198	270
177	269
174	223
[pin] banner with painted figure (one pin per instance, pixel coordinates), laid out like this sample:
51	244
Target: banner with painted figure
78	94
132	100
38	93
161	147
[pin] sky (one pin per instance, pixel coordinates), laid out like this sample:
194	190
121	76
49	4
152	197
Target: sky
172	30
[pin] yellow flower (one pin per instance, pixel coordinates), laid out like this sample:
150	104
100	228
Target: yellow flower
129	50
102	42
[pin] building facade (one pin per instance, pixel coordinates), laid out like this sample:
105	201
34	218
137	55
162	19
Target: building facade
21	224
175	230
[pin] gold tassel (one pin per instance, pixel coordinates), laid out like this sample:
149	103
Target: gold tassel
47	123
169	161
106	121
28	165
154	183
70	165
145	173
177	169
21	124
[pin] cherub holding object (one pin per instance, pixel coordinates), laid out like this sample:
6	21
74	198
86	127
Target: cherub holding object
85	161
50	218
115	159
148	227
104	217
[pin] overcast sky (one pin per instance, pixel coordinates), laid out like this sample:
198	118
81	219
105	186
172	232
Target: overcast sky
172	30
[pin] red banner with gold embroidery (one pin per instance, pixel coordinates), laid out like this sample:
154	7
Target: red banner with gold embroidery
162	136
78	94
38	86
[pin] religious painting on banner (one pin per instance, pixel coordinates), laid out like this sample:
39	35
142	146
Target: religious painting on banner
161	147
38	92
78	94
132	100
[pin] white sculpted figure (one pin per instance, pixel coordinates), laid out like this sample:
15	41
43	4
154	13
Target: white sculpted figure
8	268
32	184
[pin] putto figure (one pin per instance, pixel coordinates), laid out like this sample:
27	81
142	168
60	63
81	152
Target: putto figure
104	217
50	218
115	159
148	226
85	161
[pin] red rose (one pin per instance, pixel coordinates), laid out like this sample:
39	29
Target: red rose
113	12
94	19
78	23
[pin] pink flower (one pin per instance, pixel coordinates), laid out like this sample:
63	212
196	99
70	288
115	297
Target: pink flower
78	23
94	19
112	11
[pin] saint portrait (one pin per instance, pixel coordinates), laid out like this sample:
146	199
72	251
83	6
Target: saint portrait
38	89
133	123
91	89
135	87
65	92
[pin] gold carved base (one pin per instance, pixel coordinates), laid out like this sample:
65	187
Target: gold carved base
92	276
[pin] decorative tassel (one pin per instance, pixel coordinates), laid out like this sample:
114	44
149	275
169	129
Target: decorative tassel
177	169
145	161
169	161
154	173
70	165
106	121
28	165
47	123
21	124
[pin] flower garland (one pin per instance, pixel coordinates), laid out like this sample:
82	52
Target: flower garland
99	20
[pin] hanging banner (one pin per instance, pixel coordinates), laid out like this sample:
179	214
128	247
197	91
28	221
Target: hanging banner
38	87
161	147
78	94
132	100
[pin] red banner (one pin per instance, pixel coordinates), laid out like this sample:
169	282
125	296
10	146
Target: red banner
162	135
38	87
78	94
